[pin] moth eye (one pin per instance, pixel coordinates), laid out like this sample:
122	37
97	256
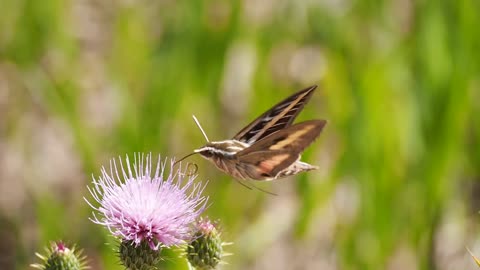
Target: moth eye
207	153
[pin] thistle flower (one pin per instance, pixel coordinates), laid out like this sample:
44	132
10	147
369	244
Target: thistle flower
59	257
139	208
205	251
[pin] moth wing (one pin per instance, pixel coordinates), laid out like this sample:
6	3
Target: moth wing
294	138
276	118
274	153
262	165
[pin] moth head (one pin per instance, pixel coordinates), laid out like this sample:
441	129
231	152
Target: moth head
207	151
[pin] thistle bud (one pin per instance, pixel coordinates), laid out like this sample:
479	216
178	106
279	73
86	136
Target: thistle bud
59	257
205	251
138	257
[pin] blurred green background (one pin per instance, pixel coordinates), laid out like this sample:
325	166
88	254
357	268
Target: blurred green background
83	81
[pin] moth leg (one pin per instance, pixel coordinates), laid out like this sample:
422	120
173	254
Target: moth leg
241	183
255	187
265	191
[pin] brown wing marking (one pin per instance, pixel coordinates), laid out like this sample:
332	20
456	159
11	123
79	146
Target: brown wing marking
267	164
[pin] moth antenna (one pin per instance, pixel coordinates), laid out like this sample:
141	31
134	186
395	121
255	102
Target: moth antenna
200	127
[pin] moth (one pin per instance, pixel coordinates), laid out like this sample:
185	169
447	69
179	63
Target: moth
270	146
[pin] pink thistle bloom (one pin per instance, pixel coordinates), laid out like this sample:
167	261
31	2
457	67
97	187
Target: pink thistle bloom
138	207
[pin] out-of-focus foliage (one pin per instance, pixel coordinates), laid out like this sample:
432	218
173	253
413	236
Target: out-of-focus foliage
83	81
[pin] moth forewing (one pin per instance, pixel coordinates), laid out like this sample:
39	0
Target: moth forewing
280	116
294	138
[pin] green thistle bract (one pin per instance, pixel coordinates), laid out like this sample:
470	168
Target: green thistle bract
59	257
205	250
138	257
